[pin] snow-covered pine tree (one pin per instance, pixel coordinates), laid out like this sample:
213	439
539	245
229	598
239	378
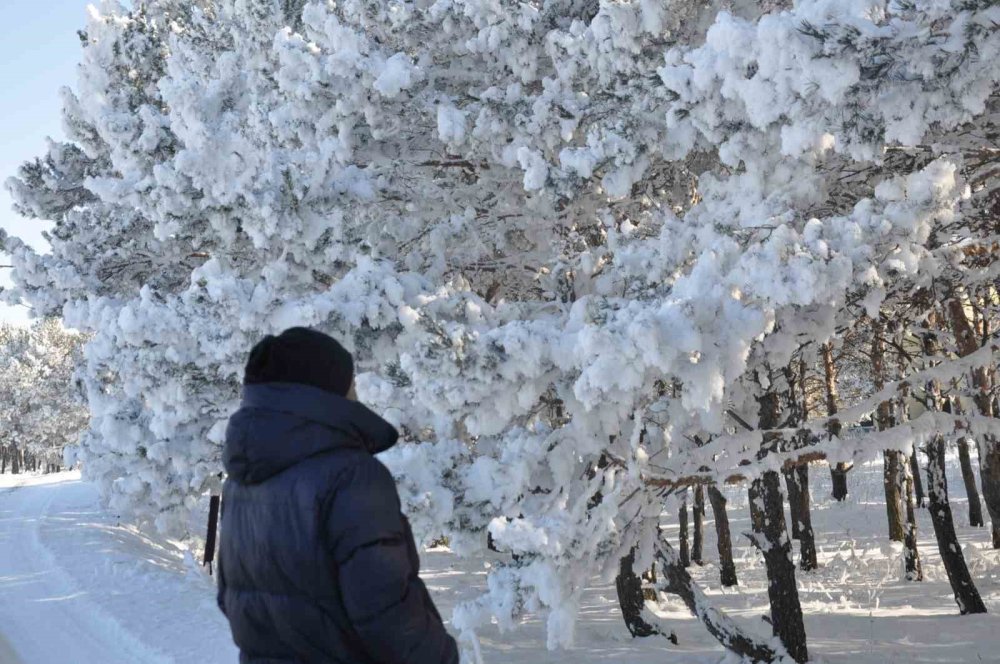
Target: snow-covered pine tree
42	410
563	238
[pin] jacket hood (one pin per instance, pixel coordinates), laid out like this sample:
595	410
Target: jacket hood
281	424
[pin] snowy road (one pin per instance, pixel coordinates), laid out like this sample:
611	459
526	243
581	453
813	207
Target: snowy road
71	583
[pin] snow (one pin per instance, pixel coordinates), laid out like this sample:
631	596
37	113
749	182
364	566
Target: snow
74	581
397	75
71	579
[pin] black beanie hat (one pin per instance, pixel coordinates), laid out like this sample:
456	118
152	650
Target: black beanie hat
304	356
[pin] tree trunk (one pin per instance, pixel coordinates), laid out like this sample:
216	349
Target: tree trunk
631	600
807	538
678	581
768	518
911	556
969	478
883	417
918	482
989	475
966	595
794	502
912	457
989	451
838	478
907	481
893	500
727	568
682	534
838	473
15	463
698	513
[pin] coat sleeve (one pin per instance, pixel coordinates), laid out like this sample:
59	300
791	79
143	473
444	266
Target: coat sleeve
383	595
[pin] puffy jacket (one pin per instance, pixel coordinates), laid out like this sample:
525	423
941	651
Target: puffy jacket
316	562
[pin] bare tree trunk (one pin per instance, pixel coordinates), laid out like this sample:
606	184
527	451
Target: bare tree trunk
911	556
966	595
969	478
912	458
682	534
883	416
838	473
807	538
893	501
907	480
727	568
989	449
15	464
794	502
631	600
767	515
952	405
678	581
918	483
989	475
698	513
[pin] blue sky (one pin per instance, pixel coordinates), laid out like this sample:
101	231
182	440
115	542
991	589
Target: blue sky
39	50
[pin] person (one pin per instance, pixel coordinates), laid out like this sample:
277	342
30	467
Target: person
316	562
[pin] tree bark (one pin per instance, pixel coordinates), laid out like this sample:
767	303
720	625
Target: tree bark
911	556
794	502
893	500
15	463
678	581
969	478
697	545
767	515
838	473
905	488
631	600
966	595
682	533
989	451
727	568
918	483
807	538
883	417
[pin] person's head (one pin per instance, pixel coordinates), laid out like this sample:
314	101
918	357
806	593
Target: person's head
304	356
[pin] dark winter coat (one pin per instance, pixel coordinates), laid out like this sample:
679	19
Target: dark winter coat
316	562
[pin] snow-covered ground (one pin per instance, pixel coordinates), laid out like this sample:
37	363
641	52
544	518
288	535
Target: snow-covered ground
76	587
